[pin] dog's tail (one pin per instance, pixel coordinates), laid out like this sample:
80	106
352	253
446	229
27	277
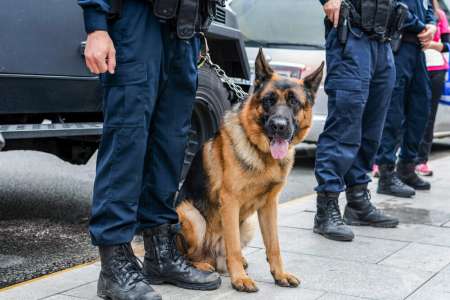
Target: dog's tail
193	228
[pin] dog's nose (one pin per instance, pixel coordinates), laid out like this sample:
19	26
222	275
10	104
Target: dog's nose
279	125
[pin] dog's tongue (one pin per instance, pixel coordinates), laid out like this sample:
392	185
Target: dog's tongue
279	148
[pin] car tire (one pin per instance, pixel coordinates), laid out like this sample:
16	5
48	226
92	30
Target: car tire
211	103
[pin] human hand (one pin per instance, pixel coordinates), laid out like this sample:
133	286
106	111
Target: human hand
435	46
426	36
332	9
100	54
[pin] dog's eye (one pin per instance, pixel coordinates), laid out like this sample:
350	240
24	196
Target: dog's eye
269	100
292	100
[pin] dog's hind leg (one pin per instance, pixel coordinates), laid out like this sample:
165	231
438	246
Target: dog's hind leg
204	266
193	229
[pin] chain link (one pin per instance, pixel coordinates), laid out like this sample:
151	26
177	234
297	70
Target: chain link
236	89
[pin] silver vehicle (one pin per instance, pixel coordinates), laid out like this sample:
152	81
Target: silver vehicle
291	32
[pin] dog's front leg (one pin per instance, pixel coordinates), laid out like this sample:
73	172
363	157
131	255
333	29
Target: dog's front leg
267	216
230	223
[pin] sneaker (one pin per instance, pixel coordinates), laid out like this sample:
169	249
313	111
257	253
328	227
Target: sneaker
424	170
375	171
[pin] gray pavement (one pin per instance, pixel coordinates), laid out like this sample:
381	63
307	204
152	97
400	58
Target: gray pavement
45	204
410	262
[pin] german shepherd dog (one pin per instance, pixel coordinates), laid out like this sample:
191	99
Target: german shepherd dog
241	171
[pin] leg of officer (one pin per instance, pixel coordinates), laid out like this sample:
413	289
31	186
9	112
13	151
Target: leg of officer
169	132
168	139
130	95
417	112
437	82
347	86
359	210
389	182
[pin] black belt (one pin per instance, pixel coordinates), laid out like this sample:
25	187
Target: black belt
410	38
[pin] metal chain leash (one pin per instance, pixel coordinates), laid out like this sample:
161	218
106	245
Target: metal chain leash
233	87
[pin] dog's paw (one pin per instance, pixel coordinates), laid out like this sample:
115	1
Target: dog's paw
204	266
286	280
244	284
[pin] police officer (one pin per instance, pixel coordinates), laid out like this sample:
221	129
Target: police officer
410	106
360	79
149	73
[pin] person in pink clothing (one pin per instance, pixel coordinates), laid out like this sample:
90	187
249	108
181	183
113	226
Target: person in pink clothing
437	67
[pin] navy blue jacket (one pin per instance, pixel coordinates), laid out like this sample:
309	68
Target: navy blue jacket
95	14
418	16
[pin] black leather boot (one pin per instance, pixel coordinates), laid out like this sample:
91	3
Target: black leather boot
163	262
328	221
407	174
390	184
121	276
360	211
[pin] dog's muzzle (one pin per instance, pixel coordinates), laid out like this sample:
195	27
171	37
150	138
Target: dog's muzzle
280	131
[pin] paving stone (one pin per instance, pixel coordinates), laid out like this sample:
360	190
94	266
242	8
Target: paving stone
306	242
87	291
417	211
60	297
293	207
344	277
269	291
427	207
446	225
304	220
424	234
266	291
419	256
332	296
53	284
438	288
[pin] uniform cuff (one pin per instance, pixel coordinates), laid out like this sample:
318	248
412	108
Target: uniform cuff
95	19
420	27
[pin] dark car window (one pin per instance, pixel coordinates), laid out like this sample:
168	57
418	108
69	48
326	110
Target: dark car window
281	21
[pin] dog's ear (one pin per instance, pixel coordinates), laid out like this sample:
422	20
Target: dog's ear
263	71
312	82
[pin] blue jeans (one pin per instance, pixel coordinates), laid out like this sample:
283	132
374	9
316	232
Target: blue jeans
360	79
147	111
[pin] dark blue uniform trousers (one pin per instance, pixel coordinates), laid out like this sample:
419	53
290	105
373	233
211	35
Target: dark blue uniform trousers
360	79
147	110
409	109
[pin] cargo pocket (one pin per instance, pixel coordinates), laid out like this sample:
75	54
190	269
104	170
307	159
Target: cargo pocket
346	108
126	93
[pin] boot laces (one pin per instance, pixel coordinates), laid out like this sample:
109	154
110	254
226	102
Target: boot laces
129	265
334	212
397	181
368	197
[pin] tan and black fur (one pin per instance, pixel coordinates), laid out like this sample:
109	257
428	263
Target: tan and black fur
234	176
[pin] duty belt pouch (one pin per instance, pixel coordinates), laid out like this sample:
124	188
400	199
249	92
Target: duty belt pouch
165	9
383	13
368	11
188	16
